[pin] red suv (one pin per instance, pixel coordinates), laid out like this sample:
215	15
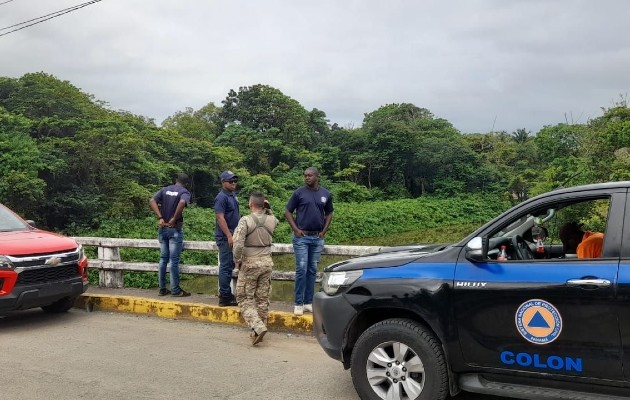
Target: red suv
38	268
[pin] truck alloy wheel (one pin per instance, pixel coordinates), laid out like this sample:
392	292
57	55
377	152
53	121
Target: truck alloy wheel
399	359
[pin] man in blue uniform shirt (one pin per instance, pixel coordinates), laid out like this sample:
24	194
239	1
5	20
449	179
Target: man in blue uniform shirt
168	206
313	207
227	216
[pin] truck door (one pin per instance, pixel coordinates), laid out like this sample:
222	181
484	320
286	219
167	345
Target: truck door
535	314
623	294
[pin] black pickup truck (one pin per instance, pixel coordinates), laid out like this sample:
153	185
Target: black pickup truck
511	310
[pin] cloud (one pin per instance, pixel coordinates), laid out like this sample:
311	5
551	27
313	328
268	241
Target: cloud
480	64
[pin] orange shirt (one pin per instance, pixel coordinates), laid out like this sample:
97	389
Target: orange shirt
591	245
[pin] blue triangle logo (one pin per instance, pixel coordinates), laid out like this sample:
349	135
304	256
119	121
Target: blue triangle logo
538	321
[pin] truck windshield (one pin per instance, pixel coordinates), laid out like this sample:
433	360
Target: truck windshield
10	222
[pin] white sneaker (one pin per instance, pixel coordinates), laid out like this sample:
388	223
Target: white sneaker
298	310
308	308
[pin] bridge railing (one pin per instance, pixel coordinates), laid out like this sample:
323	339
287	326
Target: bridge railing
111	267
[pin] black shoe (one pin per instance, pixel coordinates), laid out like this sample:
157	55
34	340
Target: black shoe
164	292
181	293
227	301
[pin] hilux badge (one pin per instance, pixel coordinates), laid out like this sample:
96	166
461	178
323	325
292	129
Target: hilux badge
53	261
538	321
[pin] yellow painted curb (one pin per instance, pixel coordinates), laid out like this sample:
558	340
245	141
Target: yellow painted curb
277	320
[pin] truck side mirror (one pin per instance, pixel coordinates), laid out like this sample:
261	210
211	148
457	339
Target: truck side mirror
31	223
477	249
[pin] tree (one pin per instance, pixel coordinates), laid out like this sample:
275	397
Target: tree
40	95
319	124
521	135
268	111
20	162
506	164
404	146
559	141
447	166
605	136
261	153
201	124
390	142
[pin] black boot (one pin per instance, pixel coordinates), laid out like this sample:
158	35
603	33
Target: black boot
227	301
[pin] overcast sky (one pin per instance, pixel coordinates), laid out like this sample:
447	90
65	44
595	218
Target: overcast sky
481	64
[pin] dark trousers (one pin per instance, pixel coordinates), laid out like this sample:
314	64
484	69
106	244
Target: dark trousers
226	266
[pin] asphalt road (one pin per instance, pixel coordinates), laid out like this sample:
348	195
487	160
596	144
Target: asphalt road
101	355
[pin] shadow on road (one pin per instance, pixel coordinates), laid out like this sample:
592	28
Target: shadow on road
34	319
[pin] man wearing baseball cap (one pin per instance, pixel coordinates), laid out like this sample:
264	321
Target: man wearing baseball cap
227	216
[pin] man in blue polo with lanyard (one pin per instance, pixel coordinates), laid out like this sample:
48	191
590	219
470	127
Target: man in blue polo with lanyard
227	216
313	207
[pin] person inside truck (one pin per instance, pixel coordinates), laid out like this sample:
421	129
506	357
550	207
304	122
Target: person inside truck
577	242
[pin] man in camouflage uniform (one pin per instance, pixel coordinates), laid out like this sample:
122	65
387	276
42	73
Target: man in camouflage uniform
252	255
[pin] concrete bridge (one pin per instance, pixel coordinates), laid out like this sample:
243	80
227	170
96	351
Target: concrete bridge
111	295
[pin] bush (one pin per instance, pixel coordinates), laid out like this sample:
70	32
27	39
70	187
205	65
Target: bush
351	221
350	192
386	223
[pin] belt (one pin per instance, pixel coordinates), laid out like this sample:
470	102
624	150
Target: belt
311	233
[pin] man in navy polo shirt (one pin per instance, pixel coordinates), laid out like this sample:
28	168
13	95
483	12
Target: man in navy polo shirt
313	207
227	217
168	206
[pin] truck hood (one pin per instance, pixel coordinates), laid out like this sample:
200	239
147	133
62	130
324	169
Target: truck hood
31	242
388	257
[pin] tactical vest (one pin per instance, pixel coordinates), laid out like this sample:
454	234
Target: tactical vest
265	239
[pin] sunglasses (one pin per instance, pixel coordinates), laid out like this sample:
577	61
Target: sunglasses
232	181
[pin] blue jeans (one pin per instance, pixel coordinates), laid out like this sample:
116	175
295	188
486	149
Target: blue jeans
307	251
171	244
226	266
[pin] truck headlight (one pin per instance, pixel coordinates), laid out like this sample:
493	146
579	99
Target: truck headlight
333	281
6	263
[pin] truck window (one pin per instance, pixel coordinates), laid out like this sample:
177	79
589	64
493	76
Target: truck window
554	232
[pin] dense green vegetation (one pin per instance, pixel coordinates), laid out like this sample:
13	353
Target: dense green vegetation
73	164
352	221
385	223
390	222
282	262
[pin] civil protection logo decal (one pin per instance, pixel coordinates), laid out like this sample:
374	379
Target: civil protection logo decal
538	321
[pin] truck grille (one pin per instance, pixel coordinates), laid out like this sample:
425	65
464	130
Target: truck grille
34	261
51	274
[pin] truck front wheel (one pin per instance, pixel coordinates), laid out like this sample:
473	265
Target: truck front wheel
399	359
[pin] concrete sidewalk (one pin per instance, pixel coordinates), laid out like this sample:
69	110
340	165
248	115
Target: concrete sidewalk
199	307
